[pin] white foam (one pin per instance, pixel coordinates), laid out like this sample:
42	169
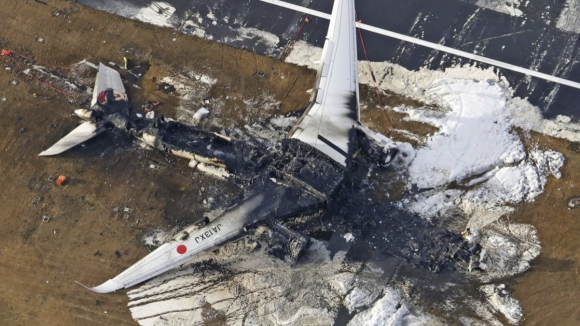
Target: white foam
429	204
475	147
244	34
158	13
389	310
515	184
501	301
304	54
474	134
157	237
526	116
505	7
349	237
254	288
569	19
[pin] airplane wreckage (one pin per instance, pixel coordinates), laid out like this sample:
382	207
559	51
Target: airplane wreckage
301	179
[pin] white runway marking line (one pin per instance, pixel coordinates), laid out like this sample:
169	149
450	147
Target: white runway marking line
298	8
435	46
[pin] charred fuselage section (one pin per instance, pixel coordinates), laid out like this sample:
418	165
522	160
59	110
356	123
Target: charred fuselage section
295	180
233	157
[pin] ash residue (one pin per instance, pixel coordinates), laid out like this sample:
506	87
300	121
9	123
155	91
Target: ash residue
248	284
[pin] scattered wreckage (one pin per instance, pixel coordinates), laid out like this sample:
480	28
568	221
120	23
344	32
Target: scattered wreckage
299	179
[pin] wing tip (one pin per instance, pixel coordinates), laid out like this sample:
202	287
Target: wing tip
52	152
81	284
83	132
107	287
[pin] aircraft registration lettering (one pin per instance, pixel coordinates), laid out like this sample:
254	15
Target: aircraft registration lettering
208	234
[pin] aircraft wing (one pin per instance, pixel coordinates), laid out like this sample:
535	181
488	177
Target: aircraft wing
333	110
270	200
185	245
80	134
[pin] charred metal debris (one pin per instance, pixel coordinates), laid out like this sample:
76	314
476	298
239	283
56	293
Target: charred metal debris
299	183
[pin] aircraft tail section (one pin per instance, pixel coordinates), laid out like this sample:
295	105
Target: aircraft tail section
334	107
108	78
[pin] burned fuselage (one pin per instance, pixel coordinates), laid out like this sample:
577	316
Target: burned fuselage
295	180
303	176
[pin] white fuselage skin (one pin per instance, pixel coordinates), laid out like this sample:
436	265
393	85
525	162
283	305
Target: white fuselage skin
188	243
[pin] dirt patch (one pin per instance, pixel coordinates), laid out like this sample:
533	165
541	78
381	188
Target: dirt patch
549	292
387	121
90	238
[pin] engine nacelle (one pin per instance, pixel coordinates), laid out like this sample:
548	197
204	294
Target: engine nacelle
149	139
84	114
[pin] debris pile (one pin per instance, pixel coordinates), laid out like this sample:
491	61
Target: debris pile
60	79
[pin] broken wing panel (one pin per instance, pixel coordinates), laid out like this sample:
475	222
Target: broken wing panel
107	78
333	110
185	246
80	134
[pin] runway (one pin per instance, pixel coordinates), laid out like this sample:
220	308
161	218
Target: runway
540	36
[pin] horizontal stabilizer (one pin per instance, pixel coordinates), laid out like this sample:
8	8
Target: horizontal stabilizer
79	135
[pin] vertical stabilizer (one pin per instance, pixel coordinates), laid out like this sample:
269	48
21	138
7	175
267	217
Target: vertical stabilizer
108	78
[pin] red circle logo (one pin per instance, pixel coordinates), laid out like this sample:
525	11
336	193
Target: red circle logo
181	249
